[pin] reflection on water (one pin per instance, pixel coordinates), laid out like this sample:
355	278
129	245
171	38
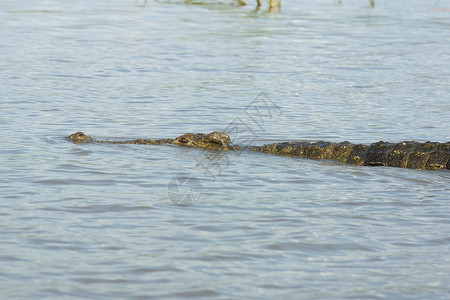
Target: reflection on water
99	221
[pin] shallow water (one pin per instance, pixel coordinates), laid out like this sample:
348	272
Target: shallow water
100	221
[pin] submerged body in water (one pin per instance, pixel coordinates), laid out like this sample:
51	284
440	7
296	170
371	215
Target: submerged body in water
408	154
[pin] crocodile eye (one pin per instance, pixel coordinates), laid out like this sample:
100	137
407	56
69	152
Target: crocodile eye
184	140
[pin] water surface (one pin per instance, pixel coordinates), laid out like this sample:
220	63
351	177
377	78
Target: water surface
97	221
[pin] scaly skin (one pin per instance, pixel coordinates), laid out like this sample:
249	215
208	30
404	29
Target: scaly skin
214	140
413	155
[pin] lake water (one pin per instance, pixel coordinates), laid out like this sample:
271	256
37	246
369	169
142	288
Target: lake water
101	221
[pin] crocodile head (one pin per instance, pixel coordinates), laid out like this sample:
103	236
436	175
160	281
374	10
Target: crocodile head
214	140
79	137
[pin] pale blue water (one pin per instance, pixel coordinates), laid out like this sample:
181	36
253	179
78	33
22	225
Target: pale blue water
99	221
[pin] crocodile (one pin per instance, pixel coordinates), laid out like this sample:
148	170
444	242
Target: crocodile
215	140
407	154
